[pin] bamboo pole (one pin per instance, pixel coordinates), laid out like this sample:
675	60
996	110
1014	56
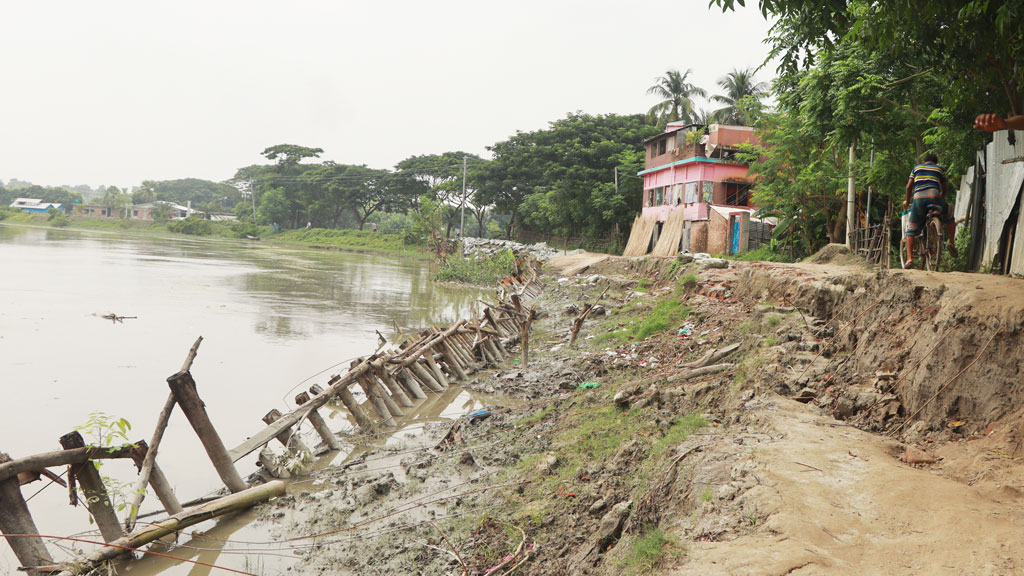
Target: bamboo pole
411	383
377	402
96	497
435	369
231	503
288	437
157	481
319	424
425	377
150	461
396	390
389	402
15	518
410	355
454	362
269	462
362	420
36	462
184	390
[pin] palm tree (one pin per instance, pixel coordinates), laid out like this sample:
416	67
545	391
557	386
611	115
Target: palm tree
677	94
737	85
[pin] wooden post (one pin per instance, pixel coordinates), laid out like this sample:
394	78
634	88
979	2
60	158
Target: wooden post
435	369
377	402
184	390
16	519
192	516
149	462
453	360
96	498
288	437
157	481
411	383
396	391
316	390
318	423
389	402
349	401
463	346
494	348
524	336
425	377
501	347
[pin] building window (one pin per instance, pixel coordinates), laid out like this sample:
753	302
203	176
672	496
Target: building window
709	192
662	146
691	193
659	193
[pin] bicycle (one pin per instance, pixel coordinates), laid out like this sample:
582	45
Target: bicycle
929	242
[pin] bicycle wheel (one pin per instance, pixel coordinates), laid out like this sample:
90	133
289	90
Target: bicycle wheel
932	246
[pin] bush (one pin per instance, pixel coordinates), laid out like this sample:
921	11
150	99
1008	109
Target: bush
193	226
761	254
57	218
485	270
244	229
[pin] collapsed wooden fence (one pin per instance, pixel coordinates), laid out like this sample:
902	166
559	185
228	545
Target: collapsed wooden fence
391	380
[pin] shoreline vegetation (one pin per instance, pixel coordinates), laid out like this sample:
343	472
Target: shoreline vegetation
318	238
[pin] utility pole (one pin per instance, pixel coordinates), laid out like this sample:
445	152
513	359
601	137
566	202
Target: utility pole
851	207
871	163
462	219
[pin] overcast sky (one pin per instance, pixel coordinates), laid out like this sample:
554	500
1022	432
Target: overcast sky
116	92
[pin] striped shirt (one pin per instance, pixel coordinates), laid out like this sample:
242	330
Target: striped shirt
928	180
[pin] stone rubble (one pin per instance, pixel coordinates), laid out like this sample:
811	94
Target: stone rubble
487	246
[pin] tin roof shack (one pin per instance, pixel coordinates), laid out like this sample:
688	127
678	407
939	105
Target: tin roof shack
174	211
34	205
992	204
690	171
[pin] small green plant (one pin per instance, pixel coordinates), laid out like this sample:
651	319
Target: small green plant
678	433
687	282
773	319
707	495
535	418
648	551
770	341
103	429
763	253
643	285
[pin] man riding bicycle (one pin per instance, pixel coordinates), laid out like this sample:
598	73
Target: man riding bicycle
927	187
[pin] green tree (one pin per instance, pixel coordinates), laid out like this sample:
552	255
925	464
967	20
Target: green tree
737	85
678	94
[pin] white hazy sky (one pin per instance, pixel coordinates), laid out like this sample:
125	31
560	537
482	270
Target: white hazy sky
115	92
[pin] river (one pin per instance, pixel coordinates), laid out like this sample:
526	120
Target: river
273	319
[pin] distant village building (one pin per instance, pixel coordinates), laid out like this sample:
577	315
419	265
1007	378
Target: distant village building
98	211
34	205
696	195
148	210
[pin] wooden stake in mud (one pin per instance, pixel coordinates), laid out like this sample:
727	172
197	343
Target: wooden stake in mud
377	402
96	498
157	481
577	323
396	390
389	402
318	423
16	519
452	359
411	384
362	420
524	335
435	369
289	437
425	377
184	390
494	349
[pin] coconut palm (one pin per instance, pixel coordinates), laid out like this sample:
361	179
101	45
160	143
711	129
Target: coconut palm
677	94
737	85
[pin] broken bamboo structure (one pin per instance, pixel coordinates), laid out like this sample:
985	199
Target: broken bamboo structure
231	503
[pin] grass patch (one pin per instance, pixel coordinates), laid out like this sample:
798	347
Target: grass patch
647	552
678	433
761	254
534	418
487	270
643	285
360	240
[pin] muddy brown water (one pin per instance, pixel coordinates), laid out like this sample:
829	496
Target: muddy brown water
274	320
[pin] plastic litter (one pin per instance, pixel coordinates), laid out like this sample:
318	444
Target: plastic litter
589	385
477	416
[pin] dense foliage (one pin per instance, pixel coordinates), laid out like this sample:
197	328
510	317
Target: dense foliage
894	80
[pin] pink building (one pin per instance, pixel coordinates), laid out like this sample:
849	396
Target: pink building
697	173
690	176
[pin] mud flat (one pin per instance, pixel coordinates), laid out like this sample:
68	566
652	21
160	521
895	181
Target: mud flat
760	419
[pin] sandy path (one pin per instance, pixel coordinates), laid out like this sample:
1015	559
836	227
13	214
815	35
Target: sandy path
850	507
